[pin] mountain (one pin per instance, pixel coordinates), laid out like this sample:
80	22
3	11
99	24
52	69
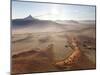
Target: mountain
32	24
29	18
30	21
23	22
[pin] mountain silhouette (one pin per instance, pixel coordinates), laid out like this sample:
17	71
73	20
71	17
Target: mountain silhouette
32	24
30	18
24	21
30	21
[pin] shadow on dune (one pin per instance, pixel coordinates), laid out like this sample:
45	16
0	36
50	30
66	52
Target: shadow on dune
33	61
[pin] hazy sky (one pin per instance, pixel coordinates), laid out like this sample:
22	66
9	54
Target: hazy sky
52	11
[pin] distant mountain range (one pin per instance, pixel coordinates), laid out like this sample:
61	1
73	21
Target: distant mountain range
30	23
24	22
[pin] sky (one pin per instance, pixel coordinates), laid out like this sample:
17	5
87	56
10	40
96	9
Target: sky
47	11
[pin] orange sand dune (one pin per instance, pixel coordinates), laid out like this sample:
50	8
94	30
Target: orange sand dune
77	59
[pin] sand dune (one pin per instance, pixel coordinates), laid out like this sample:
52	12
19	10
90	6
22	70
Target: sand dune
55	47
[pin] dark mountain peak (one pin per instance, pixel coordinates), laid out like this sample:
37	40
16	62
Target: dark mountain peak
29	17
